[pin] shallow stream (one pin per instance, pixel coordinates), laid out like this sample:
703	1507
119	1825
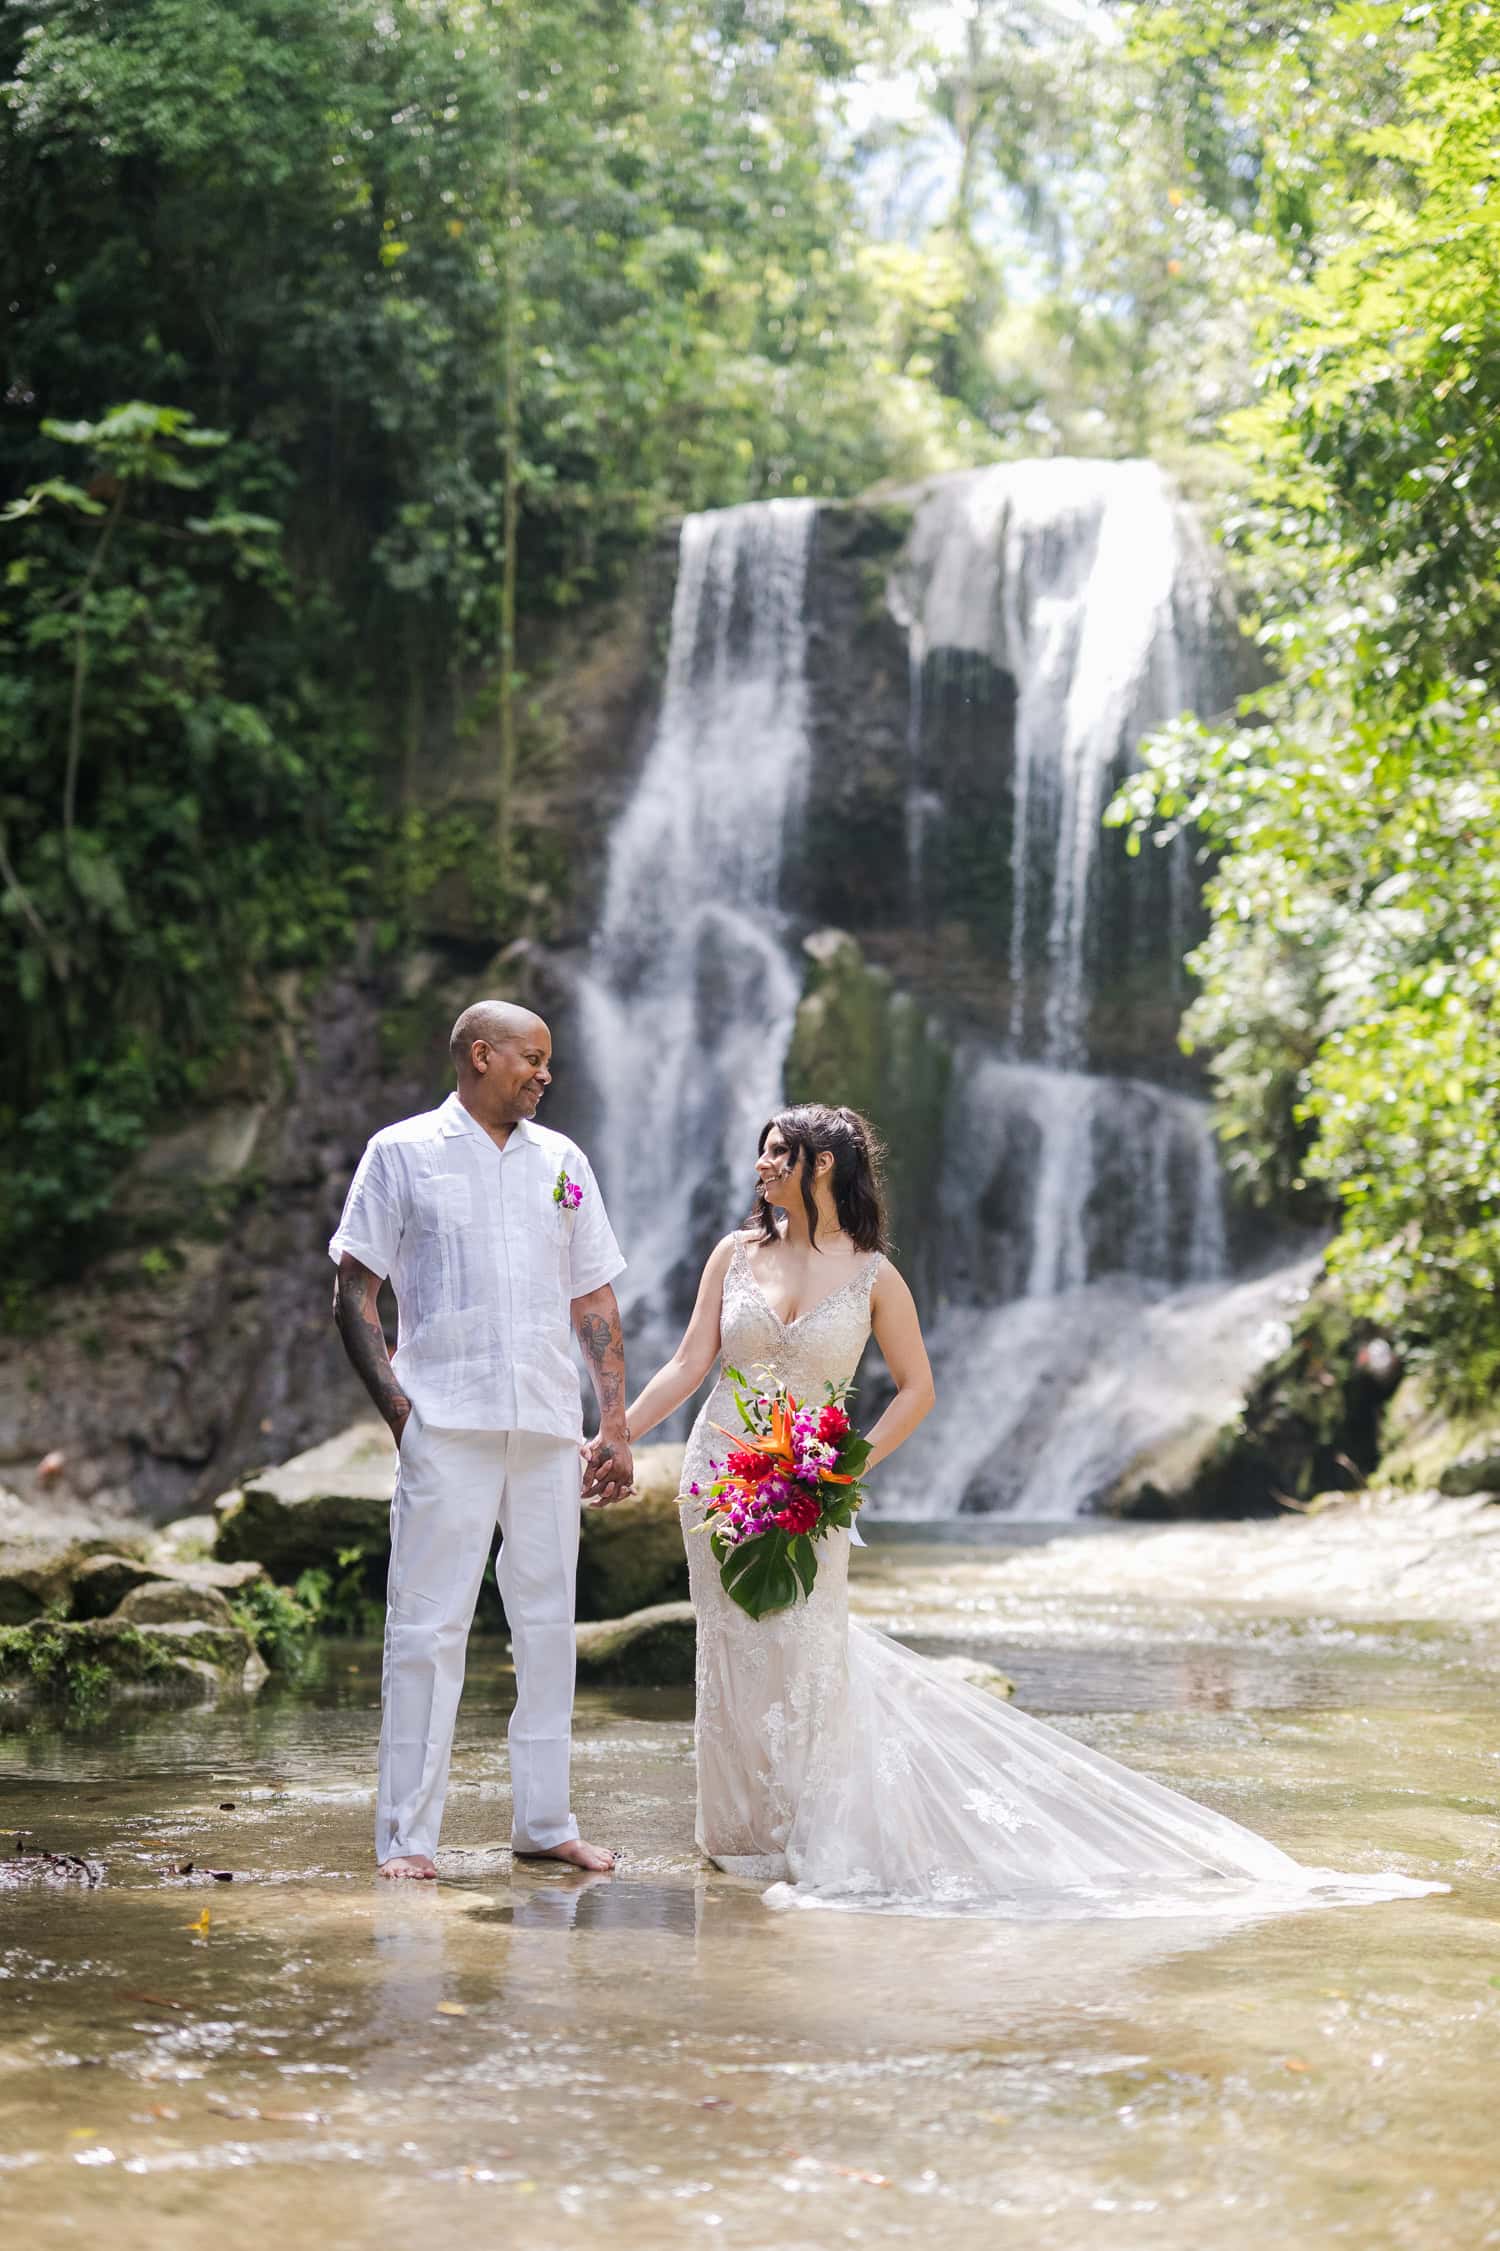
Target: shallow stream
519	2054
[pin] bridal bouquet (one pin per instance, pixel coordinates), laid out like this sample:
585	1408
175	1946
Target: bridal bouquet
792	1478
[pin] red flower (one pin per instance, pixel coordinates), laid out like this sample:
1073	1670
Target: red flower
800	1514
748	1467
833	1423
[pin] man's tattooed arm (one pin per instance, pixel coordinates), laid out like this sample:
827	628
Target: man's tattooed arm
596	1321
354	1297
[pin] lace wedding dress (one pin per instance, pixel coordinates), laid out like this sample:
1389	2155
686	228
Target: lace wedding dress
844	1771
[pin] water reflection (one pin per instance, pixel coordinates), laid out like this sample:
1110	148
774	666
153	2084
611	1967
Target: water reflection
589	1902
628	2057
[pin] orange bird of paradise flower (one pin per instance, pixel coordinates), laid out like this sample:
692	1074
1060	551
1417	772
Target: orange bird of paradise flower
779	1446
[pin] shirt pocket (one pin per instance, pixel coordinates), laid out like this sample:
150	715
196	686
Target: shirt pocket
446	1199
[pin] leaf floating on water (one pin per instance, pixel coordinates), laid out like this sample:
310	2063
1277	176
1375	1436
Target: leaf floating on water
184	1868
220	1875
226	1805
203	1924
1294	2063
159	2000
451	2009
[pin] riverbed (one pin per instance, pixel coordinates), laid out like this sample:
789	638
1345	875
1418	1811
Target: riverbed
522	2054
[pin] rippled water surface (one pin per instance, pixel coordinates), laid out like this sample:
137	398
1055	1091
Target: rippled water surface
302	2055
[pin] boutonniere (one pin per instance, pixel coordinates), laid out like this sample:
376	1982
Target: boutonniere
565	1191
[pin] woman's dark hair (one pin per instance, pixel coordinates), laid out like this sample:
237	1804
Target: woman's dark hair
858	1190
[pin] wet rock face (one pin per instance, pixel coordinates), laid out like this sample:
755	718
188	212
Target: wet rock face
160	1389
1311	1424
909	824
156	1391
859	1040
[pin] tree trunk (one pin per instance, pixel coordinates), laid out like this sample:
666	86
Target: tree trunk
512	265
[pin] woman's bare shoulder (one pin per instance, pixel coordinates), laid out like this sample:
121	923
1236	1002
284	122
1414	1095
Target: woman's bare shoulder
890	1283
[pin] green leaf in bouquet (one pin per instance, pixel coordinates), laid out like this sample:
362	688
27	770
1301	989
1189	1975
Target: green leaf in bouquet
760	1576
853	1455
803	1560
733	1375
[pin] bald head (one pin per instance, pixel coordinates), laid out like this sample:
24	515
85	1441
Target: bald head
502	1055
497	1023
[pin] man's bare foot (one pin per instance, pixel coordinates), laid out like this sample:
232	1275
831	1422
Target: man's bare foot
409	1865
577	1854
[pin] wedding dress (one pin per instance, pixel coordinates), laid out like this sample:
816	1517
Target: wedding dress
842	1770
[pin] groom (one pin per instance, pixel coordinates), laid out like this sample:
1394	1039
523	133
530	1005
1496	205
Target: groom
494	1237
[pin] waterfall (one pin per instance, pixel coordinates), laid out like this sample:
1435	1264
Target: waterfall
1080	1236
687	1003
1087	583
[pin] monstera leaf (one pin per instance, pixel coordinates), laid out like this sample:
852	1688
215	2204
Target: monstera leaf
767	1574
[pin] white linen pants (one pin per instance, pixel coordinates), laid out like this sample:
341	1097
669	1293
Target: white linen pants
452	1489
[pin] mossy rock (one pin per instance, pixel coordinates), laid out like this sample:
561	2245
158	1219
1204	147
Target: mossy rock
171	1602
337	1497
83	1662
37	1576
631	1553
1432	1445
652	1648
189	1540
859	1040
103	1583
303	1515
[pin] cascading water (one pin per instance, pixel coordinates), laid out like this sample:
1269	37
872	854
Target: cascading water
1080	1232
1072	1204
687	1004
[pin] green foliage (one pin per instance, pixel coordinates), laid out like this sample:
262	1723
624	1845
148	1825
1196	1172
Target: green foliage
279	1621
272	272
282	1621
345	1600
178	797
766	1574
1351	976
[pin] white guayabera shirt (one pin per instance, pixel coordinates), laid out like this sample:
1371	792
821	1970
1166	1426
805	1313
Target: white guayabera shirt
485	1264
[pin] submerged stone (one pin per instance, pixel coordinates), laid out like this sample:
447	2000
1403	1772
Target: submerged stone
975	1673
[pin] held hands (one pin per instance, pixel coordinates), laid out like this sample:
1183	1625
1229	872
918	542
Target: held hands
608	1470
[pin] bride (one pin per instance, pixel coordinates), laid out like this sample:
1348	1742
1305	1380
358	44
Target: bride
834	1765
